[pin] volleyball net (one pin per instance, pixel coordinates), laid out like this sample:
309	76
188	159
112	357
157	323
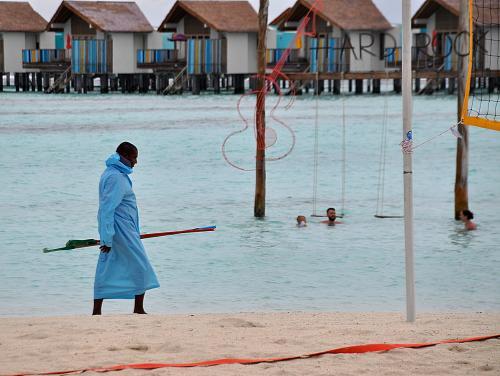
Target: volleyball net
481	105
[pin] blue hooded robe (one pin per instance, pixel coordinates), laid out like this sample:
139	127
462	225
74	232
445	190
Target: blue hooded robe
125	271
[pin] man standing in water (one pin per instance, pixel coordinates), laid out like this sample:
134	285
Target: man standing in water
332	216
123	269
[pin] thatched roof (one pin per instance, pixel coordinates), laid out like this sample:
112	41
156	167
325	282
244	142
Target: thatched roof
20	17
429	7
278	20
485	11
344	14
108	16
231	16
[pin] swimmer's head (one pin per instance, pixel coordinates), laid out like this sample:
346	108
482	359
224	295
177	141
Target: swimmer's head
466	215
301	221
331	214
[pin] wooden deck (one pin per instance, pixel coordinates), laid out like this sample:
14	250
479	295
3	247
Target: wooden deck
383	75
166	67
48	67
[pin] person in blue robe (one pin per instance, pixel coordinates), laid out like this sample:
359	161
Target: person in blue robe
123	269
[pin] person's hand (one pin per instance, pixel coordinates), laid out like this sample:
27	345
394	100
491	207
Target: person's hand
104	248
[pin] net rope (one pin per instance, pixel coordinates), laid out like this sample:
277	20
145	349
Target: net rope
482	96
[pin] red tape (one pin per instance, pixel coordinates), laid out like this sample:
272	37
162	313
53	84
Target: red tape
359	349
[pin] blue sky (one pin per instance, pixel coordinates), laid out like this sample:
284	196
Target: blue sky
155	10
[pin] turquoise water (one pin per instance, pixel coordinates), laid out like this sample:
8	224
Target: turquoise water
53	150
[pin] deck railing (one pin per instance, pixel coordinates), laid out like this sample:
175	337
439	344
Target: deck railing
46	56
422	60
273	55
326	55
91	56
156	57
206	56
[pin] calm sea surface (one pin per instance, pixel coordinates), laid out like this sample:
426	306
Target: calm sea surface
53	151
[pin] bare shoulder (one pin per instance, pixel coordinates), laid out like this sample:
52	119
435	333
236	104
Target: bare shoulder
471	226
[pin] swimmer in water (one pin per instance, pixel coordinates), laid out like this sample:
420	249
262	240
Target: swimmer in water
467	216
301	221
332	217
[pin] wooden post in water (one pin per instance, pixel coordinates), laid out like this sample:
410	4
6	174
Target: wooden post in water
461	176
260	160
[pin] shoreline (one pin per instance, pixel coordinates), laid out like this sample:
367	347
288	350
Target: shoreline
46	344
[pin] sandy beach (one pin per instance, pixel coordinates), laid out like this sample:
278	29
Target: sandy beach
43	344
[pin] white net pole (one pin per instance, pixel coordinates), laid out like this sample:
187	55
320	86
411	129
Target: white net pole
407	162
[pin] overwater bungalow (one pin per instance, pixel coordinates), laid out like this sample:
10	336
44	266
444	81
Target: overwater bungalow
437	42
21	29
436	23
278	41
350	36
213	38
101	39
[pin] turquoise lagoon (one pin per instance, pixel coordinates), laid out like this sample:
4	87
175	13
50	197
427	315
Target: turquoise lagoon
53	151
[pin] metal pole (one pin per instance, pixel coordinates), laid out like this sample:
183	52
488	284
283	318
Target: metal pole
407	162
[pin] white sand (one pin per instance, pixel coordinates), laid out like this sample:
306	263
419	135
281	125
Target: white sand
60	343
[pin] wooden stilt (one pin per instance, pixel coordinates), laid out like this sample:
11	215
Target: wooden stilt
491	85
33	81
318	87
397	85
39	82
336	86
195	83
45	82
85	84
359	86
17	81
216	84
451	85
24	82
157	84
239	83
